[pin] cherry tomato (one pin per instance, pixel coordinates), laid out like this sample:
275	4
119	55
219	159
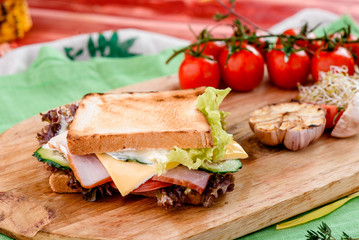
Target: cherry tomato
213	49
261	44
332	115
312	46
287	73
198	71
353	48
322	60
293	32
244	69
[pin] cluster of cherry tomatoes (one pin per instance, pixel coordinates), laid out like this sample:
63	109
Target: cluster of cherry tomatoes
240	63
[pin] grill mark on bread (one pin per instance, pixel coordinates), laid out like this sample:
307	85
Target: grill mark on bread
179	96
92	94
141	92
113	107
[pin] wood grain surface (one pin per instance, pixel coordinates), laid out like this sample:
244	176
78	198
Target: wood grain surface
274	184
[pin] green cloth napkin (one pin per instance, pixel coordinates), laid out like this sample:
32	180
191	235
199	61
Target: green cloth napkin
337	25
3	237
345	219
53	80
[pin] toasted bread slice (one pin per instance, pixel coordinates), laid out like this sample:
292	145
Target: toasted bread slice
149	120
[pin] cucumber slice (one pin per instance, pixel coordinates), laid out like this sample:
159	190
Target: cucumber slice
231	165
129	157
135	160
51	157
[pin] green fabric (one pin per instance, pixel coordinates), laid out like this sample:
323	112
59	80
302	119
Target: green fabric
3	237
54	80
344	219
337	25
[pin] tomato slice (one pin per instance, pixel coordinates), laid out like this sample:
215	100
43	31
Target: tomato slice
332	115
151	185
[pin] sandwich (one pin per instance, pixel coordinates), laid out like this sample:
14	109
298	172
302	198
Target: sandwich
170	145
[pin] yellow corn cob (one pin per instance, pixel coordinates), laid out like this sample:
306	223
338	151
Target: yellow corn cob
15	19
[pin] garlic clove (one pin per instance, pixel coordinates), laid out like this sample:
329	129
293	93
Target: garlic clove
348	124
269	133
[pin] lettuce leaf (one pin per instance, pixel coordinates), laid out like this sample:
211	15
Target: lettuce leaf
208	103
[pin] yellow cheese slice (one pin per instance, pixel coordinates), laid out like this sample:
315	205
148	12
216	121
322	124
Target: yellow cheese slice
234	151
127	176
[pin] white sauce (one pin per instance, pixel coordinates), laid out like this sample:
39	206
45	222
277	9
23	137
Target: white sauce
46	146
63	125
144	156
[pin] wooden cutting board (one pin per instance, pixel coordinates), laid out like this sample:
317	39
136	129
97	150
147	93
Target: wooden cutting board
274	184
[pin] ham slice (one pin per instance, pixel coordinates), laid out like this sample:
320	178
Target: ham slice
87	169
193	179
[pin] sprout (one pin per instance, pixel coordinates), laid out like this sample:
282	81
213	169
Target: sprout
335	88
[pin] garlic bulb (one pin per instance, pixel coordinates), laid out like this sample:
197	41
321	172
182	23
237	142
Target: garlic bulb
348	124
294	124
